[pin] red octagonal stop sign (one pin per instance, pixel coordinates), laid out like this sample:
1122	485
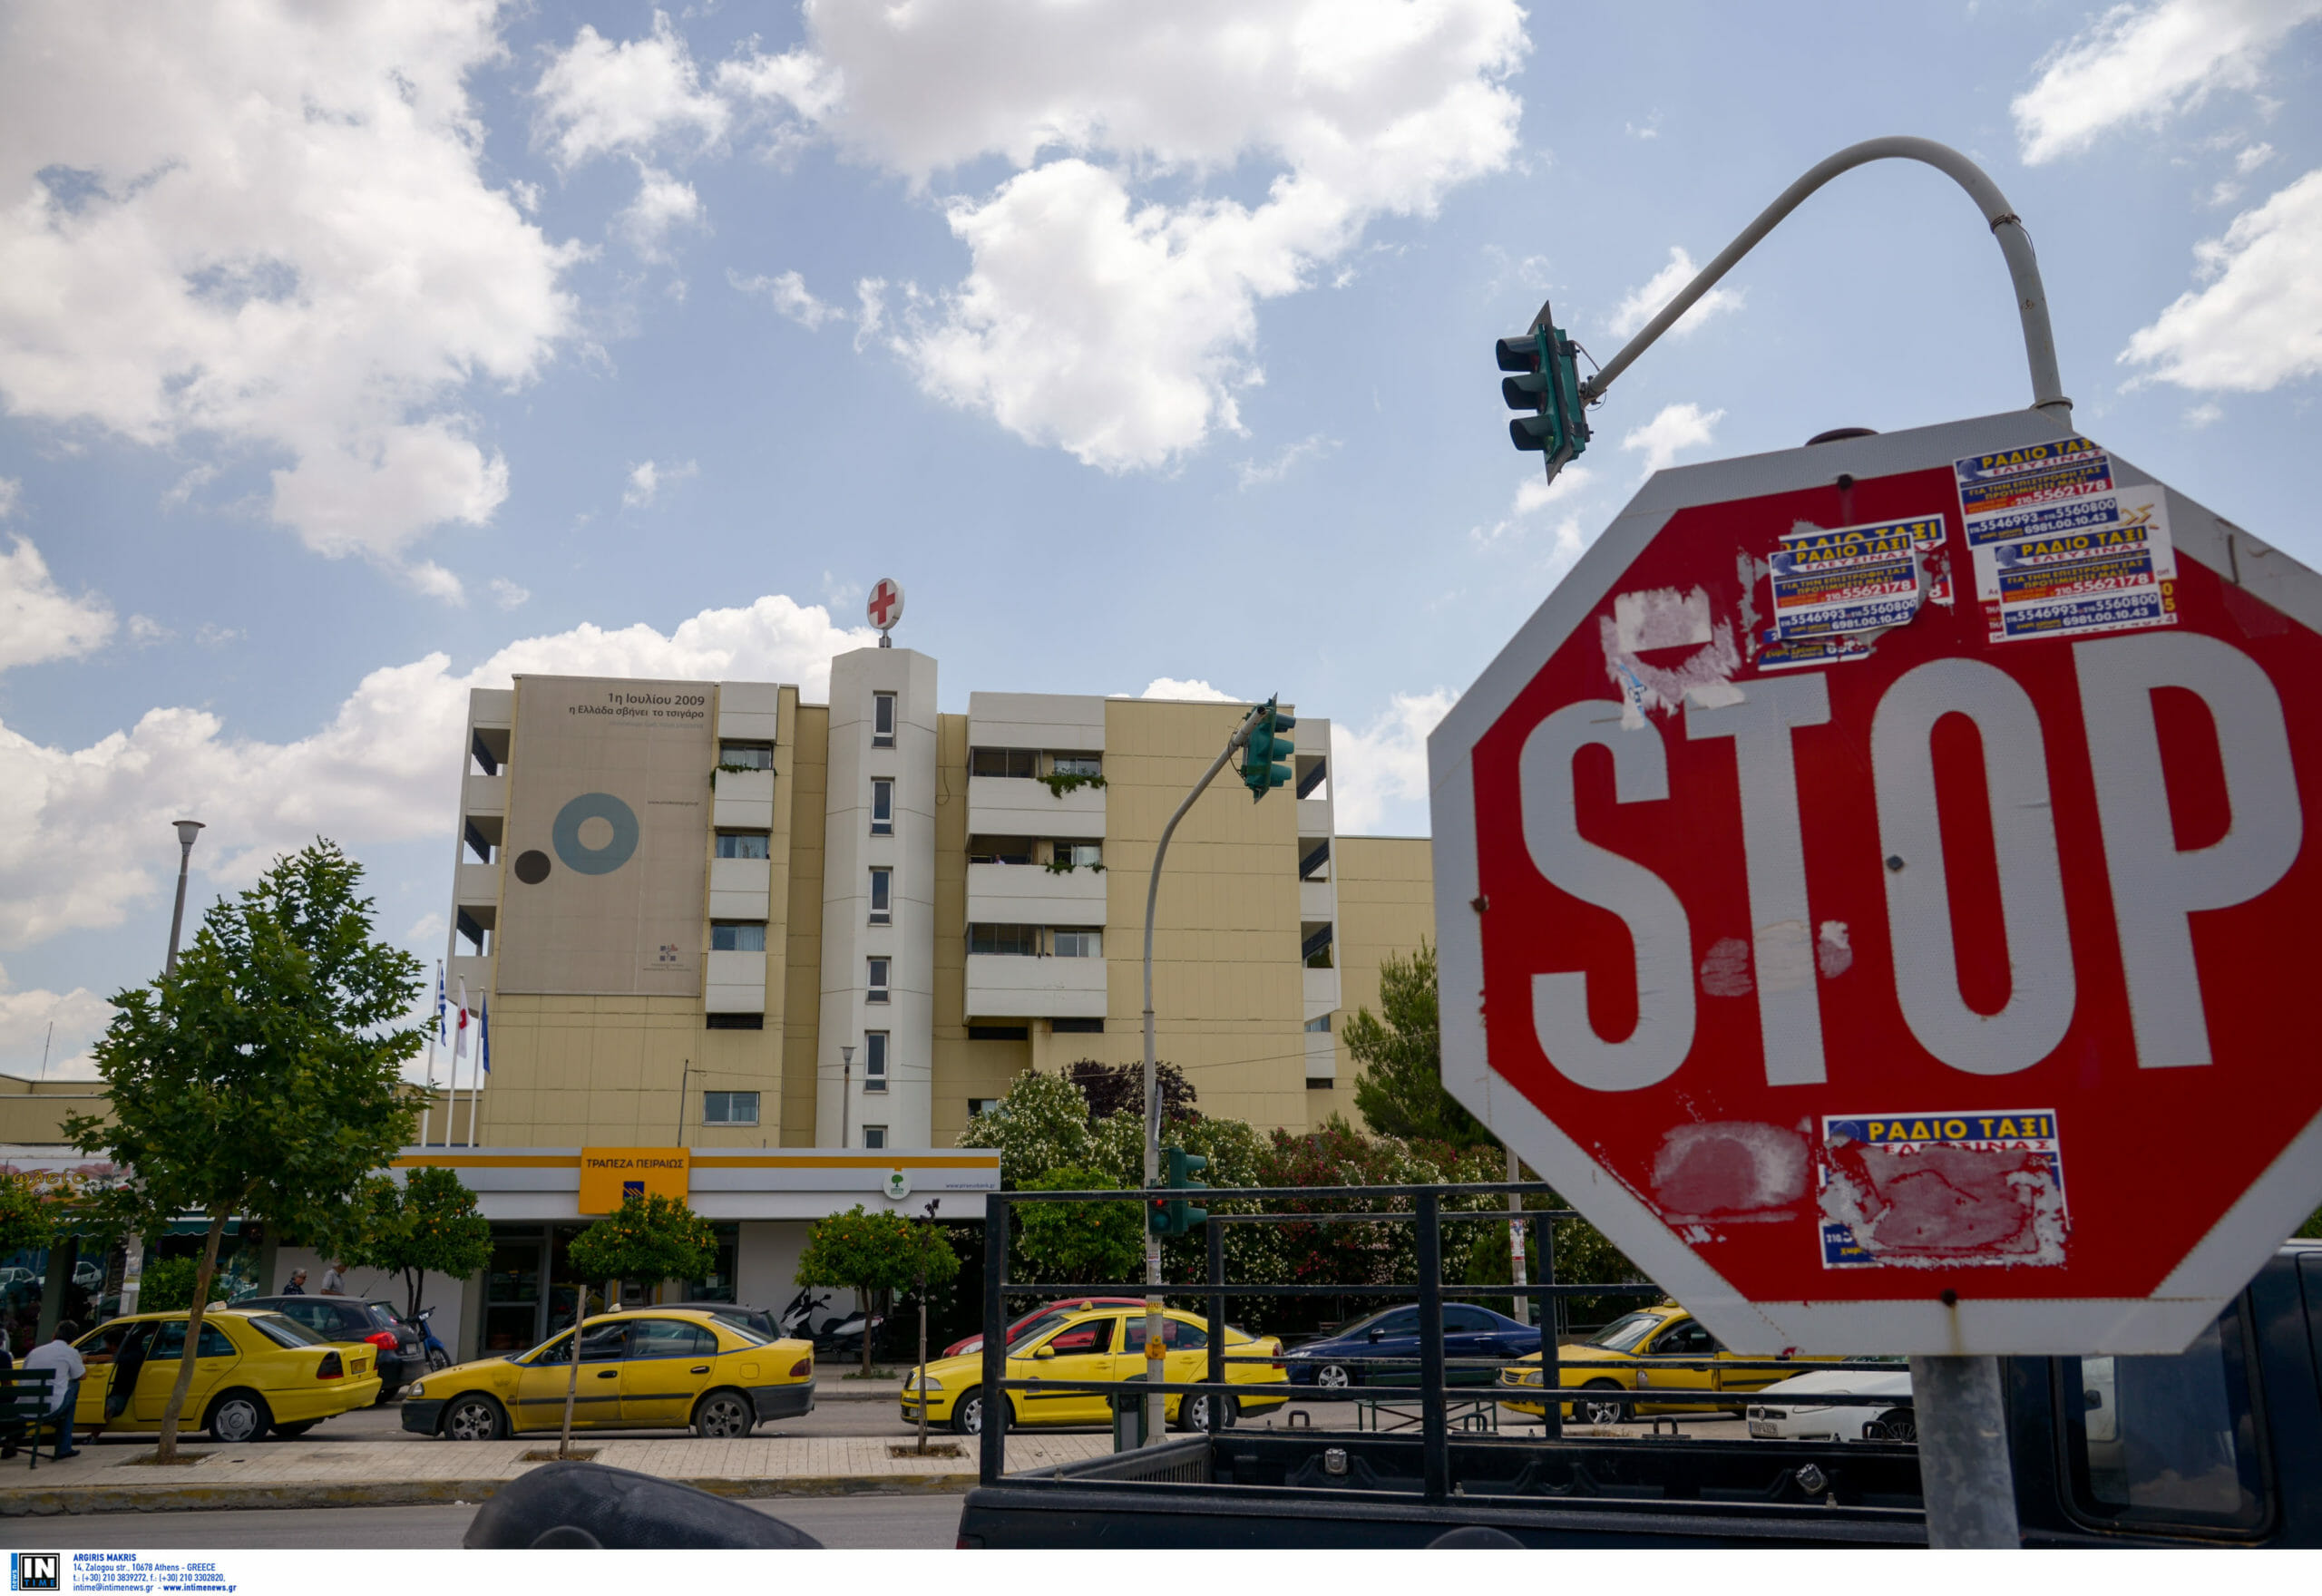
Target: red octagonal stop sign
1875	889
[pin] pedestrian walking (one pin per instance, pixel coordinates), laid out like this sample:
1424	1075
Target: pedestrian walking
334	1279
59	1356
298	1286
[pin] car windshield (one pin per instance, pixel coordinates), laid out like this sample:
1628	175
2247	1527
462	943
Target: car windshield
1624	1332
384	1316
284	1331
1036	1330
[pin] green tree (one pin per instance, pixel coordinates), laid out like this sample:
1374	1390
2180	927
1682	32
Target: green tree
871	1254
1042	1124
649	1237
2312	1228
1080	1240
262	1078
1400	1091
426	1223
28	1213
167	1286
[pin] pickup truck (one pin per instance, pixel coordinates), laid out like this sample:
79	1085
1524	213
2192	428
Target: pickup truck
2220	1444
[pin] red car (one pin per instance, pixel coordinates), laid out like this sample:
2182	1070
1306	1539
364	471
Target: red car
1070	1305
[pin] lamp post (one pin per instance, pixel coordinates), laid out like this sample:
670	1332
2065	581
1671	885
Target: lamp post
188	830
845	1103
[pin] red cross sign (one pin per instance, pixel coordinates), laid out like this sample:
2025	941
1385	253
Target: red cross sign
886	606
1877	888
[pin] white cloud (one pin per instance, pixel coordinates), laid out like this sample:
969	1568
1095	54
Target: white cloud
84	831
663	203
508	595
790	297
1197	690
38	619
436	582
1255	475
647	479
2252	158
2259	322
1677	428
263	229
1535	493
61	1024
1642	303
211	635
2145	64
144	631
599	98
11	490
1384	765
2205	414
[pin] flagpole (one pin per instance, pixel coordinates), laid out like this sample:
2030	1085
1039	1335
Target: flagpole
427	1104
483	1065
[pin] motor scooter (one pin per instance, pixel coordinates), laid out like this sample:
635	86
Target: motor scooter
439	1357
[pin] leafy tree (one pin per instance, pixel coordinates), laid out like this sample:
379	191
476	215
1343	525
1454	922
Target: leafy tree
2312	1228
874	1253
1400	1091
261	1078
28	1213
649	1237
427	1222
1120	1088
167	1286
1042	1124
1080	1240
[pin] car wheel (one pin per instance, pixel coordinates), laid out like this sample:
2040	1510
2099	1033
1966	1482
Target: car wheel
238	1416
1193	1413
1601	1410
474	1418
967	1413
1899	1424
438	1359
1334	1376
292	1432
724	1416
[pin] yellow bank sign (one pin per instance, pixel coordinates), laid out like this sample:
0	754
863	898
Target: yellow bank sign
607	1174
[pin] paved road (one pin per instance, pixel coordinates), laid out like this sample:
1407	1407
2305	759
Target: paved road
853	1522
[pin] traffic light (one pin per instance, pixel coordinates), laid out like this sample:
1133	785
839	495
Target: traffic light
1173	1216
1262	770
1547	383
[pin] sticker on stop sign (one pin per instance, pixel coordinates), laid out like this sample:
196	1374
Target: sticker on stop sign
1873	888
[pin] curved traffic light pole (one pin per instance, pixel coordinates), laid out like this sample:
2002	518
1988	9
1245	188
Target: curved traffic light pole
1155	1403
2015	244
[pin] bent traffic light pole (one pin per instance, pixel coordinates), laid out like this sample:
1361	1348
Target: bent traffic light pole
2014	245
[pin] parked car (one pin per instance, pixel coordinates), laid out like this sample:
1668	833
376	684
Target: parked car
1644	1351
1383	1348
1015	1332
1104	1344
253	1371
758	1321
350	1321
1776	1414
642	1368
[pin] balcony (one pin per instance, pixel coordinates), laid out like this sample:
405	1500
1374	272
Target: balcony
484	794
734	983
1019	806
1318	900
743	801
473	968
1314	817
739	888
1321	991
475	886
1007	986
1032	894
1322	1054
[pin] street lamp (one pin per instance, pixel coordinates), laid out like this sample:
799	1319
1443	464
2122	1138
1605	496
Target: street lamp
188	830
845	1098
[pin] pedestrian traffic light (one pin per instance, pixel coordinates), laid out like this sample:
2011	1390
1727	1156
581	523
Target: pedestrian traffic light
1260	768
1173	1216
1547	383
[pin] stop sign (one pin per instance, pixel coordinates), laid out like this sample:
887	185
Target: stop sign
1873	888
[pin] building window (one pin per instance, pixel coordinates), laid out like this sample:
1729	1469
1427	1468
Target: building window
882	807
1021	940
877	984
1000	850
882	720
736	1022
1083	1027
1004	762
748	755
1078	764
976	1106
1077	854
729	1108
1080	944
882	897
874	1061
874	1137
999	1032
737	937
1320	1023
743	845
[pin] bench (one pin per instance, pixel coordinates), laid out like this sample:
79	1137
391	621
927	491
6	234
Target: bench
24	1396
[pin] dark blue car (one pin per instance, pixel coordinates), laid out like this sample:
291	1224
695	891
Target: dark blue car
1383	1349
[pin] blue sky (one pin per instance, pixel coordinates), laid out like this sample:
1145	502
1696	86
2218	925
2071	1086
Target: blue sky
352	356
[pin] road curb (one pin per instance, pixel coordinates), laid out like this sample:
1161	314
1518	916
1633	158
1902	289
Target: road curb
191	1498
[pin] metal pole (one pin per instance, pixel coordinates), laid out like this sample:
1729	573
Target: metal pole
1155	1403
1516	1240
1551	1323
845	1103
188	830
427	1104
1216	1374
2014	245
1964	1472
992	1451
1435	1438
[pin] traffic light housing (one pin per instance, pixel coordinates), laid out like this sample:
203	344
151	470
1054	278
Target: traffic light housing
1263	757
1174	1216
1547	383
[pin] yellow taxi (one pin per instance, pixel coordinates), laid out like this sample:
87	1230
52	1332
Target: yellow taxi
642	1368
252	1372
1640	1352
1104	1344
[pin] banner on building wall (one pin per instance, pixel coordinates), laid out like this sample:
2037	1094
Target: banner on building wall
607	838
609	1174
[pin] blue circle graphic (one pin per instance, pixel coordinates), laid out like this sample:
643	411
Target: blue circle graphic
595	862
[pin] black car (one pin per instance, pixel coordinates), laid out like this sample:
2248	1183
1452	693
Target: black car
1383	1348
757	1320
402	1350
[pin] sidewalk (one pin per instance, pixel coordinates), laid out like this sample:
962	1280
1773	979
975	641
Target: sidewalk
303	1474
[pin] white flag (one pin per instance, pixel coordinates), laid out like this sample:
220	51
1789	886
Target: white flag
460	1037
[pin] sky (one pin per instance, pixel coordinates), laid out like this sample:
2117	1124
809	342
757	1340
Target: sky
354	354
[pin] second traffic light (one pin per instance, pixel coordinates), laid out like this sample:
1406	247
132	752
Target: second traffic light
1263	757
1173	1216
1547	383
